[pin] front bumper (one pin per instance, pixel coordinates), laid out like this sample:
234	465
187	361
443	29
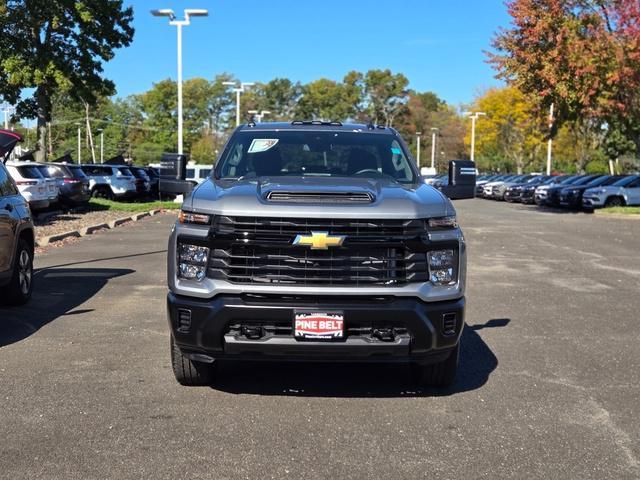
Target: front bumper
420	331
592	202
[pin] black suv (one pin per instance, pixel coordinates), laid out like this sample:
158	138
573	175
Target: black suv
16	233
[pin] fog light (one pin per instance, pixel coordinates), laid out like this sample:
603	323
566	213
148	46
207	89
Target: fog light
443	267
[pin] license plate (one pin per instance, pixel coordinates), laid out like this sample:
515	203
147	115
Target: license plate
318	326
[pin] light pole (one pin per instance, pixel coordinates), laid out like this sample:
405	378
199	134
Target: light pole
434	132
188	13
79	143
8	109
473	116
238	87
259	115
101	131
550	144
418	134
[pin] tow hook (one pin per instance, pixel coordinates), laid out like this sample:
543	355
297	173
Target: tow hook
252	332
384	334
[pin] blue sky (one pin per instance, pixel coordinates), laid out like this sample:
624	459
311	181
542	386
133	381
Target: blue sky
437	45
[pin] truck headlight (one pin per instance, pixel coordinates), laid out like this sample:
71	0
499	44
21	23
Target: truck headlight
443	267
442	222
192	261
194	218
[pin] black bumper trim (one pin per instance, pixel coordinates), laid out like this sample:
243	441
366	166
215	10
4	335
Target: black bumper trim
420	325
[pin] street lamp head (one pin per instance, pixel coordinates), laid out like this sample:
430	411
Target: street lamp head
435	129
248	84
231	84
164	12
418	133
195	12
253	112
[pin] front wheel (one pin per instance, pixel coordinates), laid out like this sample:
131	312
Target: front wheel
18	291
613	202
438	375
103	192
188	372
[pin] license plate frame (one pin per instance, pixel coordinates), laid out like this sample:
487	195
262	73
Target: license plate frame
318	326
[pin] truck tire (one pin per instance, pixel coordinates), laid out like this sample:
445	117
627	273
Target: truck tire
18	291
437	375
188	372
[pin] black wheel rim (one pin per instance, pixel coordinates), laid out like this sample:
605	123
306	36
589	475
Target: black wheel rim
25	272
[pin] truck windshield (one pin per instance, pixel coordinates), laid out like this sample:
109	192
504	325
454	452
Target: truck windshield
315	154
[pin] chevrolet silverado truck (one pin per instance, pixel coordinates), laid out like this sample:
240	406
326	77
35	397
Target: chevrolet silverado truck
316	241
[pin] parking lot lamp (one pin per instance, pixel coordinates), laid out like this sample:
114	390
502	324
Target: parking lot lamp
188	13
434	132
239	88
259	115
101	131
79	143
474	117
550	143
8	109
418	135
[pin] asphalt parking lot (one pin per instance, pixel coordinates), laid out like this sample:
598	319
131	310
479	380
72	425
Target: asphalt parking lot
549	386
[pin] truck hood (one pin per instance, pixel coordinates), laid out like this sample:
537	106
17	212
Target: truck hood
248	197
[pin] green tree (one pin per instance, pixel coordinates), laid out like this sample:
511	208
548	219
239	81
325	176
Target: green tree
386	95
51	46
326	99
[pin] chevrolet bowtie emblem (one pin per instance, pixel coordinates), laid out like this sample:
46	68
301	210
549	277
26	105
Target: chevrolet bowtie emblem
319	240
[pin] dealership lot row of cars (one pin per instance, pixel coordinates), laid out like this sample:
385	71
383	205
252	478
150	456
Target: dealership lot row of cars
585	192
70	185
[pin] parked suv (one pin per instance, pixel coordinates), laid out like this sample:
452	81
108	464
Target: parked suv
16	233
39	191
316	241
72	191
625	191
110	181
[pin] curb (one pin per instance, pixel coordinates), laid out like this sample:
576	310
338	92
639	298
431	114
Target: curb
84	231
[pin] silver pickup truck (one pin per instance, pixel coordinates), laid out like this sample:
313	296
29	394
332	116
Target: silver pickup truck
316	241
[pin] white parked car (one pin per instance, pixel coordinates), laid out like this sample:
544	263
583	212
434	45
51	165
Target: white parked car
110	181
625	192
39	191
198	173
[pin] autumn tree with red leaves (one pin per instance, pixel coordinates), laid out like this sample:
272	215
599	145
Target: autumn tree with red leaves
581	55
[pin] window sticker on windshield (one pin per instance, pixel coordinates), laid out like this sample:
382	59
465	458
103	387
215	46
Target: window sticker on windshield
396	151
262	144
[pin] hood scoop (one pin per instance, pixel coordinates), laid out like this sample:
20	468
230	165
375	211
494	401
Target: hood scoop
284	196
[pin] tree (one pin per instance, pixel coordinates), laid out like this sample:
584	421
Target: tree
581	55
386	95
326	99
281	97
55	46
511	129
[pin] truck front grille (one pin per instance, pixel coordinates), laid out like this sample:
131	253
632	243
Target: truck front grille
258	250
301	266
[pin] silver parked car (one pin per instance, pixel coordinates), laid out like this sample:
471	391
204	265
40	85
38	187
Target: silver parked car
110	181
624	192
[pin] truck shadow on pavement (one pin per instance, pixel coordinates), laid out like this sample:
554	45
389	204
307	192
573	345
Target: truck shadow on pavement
57	292
477	361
